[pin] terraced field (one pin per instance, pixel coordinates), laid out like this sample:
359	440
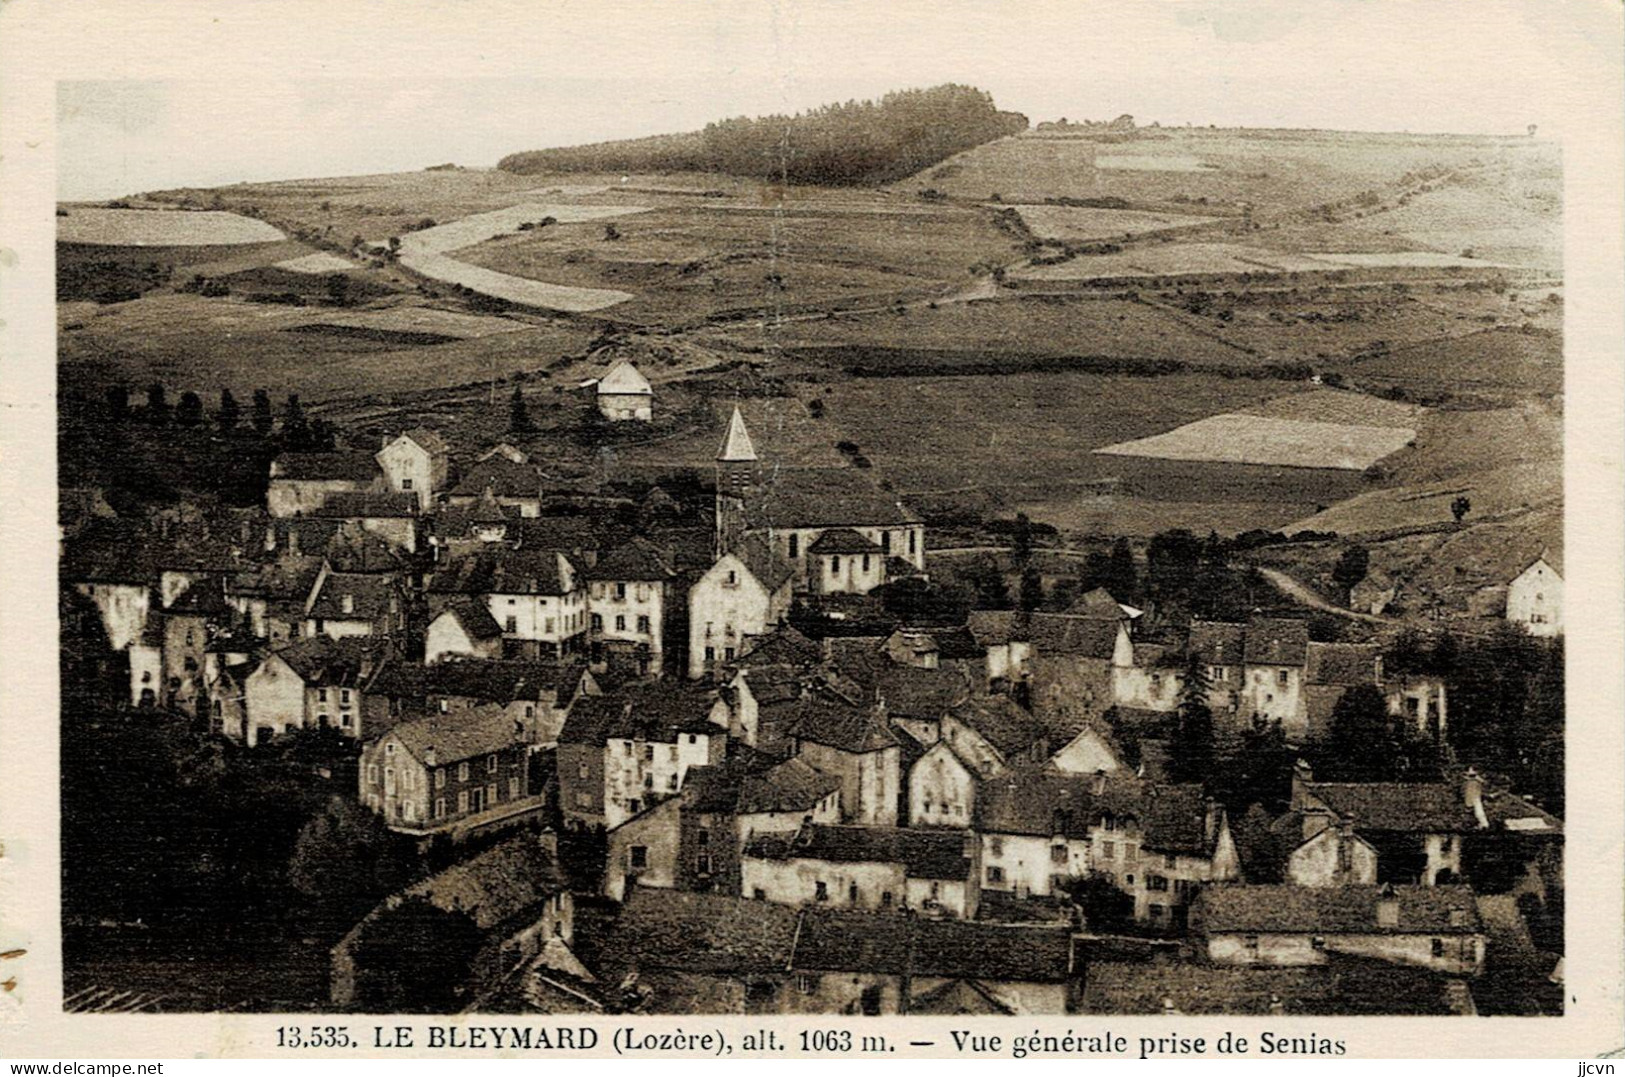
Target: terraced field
102	227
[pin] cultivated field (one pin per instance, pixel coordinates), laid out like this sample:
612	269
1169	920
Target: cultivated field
1268	441
160	228
1079	225
320	262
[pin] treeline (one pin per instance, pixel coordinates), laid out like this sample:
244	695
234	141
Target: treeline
855	143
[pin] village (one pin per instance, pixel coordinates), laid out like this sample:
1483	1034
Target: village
738	741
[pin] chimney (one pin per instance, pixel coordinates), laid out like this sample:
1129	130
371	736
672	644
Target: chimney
1472	794
1387	907
1345	845
270	537
428	756
1302	775
348	603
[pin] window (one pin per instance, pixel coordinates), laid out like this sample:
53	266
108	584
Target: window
1057	854
409	811
597	622
583	800
638	856
649	752
727	654
820	891
702	864
513	788
702	837
936	890
1168	860
462	801
491	764
733	578
476	799
1129	879
490	794
648	781
1108	850
995	846
1438	947
671	782
372	773
440	778
321	695
912	536
1280	678
530	710
643	625
626	747
1251	942
406	484
1156	882
866	562
620	622
548	626
885	542
620	592
795	546
347	720
805	982
885	899
995	875
692	739
439	807
321	720
758	894
462	772
581	770
710	655
510	624
344	696
835	563
445	704
851	893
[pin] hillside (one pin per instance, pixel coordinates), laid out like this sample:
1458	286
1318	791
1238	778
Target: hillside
856	143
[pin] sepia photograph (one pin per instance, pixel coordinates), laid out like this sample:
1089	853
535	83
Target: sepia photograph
977	536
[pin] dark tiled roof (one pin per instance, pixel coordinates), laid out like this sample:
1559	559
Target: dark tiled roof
475	617
1098	603
1344	664
457	521
502	477
700	932
839	940
459	735
1431	910
994	628
369	504
355	549
789	787
782	646
325	466
1065	634
371	597
771	570
913	692
1038	801
1344	985
428	440
1217	643
652	712
1277	641
957	642
823	497
841	540
1002	723
924	854
333	662
502	681
1414	807
835	722
503	570
498	885
633	560
960	997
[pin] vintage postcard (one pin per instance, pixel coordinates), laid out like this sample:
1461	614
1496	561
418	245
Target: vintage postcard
1077	529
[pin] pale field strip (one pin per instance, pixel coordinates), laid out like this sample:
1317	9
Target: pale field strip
161	228
424	320
1270	442
1175	259
425	252
1145	162
320	262
1083	223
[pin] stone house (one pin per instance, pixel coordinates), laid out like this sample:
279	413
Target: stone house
462	771
511	484
349	604
1331	854
1432	927
301	482
853	742
1535	596
464	628
537	695
745	593
625	395
932	872
312	683
537	596
391	516
631	599
942	787
416	462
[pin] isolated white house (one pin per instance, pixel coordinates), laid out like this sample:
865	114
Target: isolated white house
1535	597
625	395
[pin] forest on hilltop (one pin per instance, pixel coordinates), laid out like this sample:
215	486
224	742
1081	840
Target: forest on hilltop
849	144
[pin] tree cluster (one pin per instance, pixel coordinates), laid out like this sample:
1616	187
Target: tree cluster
853	143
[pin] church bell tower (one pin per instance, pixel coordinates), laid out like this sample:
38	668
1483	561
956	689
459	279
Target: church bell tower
736	478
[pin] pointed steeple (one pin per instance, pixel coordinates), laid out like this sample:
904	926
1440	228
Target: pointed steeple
737	448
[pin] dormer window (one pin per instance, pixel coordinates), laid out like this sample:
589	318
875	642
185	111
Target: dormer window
348	603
